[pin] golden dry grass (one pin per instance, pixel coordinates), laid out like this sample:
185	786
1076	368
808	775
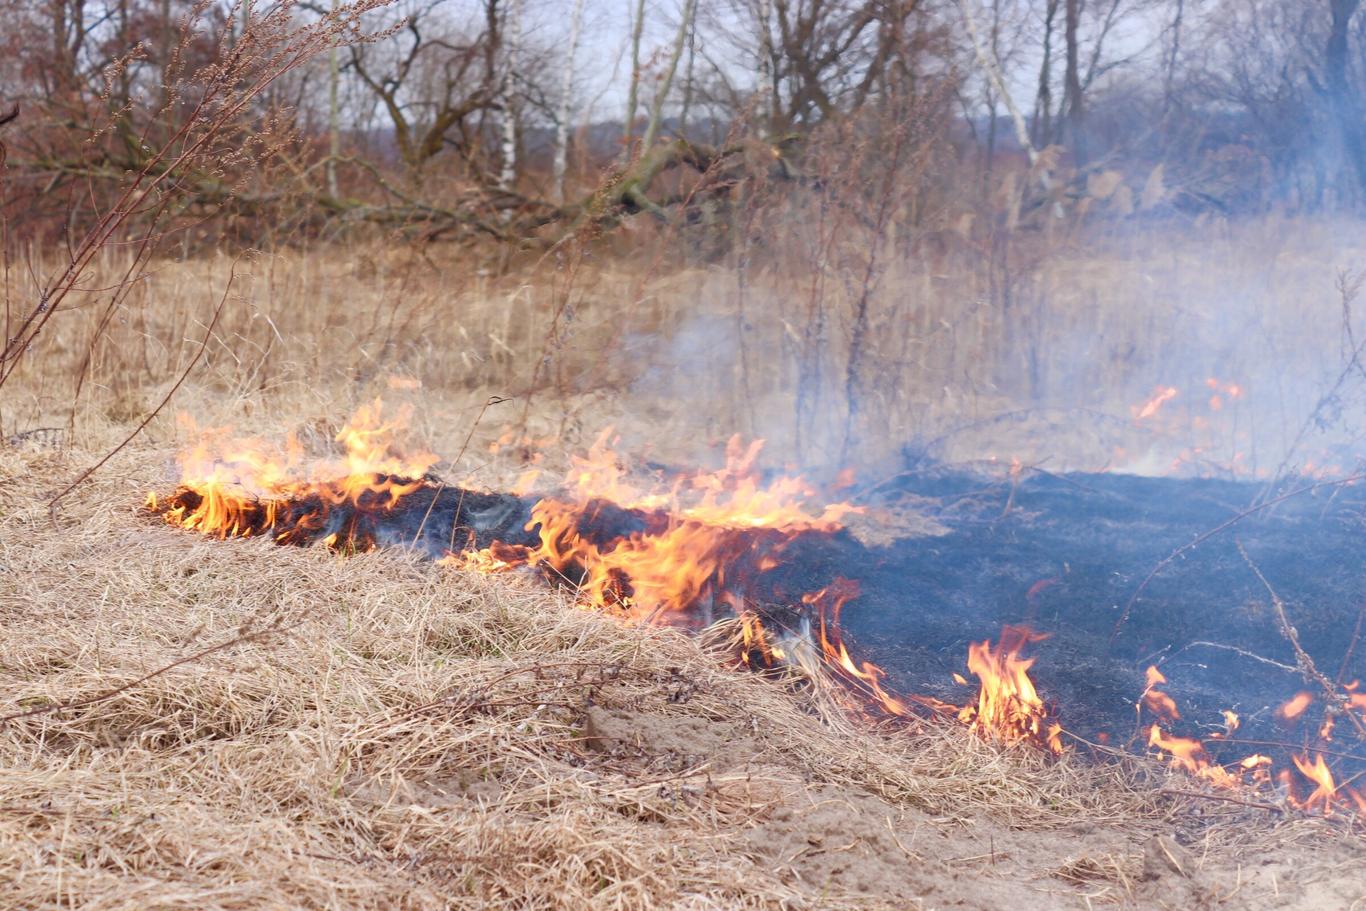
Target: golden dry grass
391	734
396	735
1040	357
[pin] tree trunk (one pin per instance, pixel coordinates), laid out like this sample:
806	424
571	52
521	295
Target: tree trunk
1072	83
508	177
333	116
991	67
1170	76
566	107
657	106
628	126
1042	132
688	81
764	84
1342	98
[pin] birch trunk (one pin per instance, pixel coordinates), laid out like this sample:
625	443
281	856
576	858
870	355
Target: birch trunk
566	107
508	178
766	90
993	74
628	126
333	117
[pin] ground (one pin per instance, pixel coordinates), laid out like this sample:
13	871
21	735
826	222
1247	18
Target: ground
198	724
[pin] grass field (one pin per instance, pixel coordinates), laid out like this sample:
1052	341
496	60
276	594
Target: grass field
323	731
1042	357
199	724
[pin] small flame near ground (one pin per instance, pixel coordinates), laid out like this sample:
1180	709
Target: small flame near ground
1254	770
710	535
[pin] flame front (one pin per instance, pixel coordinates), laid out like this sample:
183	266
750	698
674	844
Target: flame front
241	487
688	552
1192	756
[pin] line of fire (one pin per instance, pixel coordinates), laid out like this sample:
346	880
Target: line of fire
1214	624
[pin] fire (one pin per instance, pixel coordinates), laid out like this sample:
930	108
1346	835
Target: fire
1008	707
1219	389
1161	396
691	550
1191	755
863	677
702	539
688	551
1327	794
1295	707
240	487
1156	701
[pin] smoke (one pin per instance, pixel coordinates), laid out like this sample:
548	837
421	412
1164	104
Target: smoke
1246	323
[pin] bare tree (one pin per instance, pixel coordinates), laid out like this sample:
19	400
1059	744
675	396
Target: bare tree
431	80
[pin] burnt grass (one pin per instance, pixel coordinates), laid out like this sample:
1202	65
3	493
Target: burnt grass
1070	553
1061	554
1064	555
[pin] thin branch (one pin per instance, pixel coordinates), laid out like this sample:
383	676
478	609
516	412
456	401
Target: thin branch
194	361
1222	526
110	694
1337	703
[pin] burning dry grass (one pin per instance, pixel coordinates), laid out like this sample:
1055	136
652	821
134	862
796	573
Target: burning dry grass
374	732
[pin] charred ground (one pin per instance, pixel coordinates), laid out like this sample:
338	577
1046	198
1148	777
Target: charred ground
1066	554
1086	559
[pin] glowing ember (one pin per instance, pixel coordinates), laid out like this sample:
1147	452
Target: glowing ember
1295	707
1156	701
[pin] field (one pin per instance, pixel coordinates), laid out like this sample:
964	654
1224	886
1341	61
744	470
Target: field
200	724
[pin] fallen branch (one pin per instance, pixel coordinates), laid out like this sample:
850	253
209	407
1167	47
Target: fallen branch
1239	651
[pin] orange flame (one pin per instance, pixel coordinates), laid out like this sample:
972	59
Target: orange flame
1158	702
1190	755
1161	396
698	541
1295	707
1325	791
1008	707
233	487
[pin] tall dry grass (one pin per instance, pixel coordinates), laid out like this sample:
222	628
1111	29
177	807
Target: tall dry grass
1040	355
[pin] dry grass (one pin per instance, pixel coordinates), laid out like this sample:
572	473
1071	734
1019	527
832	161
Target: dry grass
1040	357
394	735
388	734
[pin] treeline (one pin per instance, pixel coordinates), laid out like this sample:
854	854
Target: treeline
495	119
